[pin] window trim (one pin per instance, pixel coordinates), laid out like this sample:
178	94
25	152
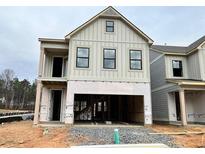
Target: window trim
134	59
110	26
88	58
109	59
182	75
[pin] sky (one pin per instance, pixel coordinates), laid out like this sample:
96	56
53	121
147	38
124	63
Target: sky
20	28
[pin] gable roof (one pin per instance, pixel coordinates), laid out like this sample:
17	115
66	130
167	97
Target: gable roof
179	49
196	43
112	13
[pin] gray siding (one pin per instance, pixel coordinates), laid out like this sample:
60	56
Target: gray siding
160	110
157	70
193	66
153	55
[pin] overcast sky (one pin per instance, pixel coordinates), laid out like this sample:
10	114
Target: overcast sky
20	28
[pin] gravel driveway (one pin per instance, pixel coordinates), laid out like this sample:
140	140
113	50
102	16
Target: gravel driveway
128	135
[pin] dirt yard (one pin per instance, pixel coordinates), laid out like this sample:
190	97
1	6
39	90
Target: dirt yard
23	134
188	140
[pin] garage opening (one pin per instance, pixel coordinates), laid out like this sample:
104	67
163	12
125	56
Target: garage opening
109	108
56	104
57	66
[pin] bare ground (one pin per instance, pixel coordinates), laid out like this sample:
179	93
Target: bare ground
187	141
24	135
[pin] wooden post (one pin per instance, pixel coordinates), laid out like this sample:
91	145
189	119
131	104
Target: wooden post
183	107
37	103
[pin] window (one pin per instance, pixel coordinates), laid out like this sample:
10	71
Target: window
82	58
109	26
177	68
135	59
109	58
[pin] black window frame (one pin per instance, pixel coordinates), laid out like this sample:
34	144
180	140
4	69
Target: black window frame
182	74
82	57
110	26
135	59
108	58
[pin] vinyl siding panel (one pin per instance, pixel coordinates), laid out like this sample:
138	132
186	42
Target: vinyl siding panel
160	110
157	70
153	55
123	39
193	66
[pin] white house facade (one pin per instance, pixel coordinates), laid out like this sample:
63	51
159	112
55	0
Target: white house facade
99	72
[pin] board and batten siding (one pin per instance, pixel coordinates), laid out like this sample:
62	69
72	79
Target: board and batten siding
48	64
157	70
96	38
193	66
169	69
202	61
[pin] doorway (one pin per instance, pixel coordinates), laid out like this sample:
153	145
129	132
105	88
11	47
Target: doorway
56	105
57	67
178	110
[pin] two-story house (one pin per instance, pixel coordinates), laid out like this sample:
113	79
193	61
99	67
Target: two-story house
178	82
99	72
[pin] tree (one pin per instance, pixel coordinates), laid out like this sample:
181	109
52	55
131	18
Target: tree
18	94
7	87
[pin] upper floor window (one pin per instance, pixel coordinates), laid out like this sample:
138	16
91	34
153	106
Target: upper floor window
109	58
177	68
82	58
109	26
135	59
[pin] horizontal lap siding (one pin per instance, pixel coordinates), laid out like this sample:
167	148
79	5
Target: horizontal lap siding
95	38
160	103
158	73
153	55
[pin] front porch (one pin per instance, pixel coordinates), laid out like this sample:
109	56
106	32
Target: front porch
187	104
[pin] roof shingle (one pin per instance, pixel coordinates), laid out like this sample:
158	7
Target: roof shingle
179	49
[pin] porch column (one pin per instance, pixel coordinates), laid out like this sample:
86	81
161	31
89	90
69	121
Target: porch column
182	107
37	103
41	63
69	113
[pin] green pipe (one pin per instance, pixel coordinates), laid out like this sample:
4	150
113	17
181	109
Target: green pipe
116	136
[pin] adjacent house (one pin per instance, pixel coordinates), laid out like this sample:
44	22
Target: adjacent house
178	82
99	72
